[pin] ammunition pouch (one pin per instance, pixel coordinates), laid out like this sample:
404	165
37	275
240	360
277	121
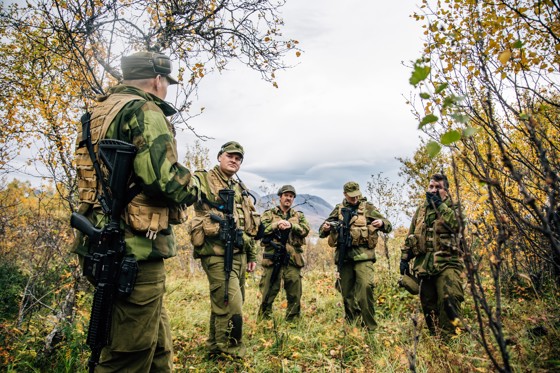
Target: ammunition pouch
144	217
126	277
373	236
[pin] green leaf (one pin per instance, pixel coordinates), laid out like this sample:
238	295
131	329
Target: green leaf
419	74
430	118
518	44
433	149
469	131
460	118
450	137
441	87
425	95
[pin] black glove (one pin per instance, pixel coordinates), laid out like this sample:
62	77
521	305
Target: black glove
433	198
403	267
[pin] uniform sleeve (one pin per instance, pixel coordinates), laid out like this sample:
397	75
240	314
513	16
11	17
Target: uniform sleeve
333	216
267	222
406	251
449	216
250	248
156	163
302	227
374	214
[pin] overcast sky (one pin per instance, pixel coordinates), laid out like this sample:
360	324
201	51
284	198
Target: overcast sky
339	115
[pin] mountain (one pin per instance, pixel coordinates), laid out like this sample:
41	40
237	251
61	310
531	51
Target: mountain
315	209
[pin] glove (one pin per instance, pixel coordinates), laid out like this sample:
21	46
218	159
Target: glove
403	267
433	198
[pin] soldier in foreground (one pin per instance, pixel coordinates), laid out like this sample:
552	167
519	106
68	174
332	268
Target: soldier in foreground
129	328
433	243
352	228
222	234
284	232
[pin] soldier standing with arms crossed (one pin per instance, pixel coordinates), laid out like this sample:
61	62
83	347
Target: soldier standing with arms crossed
433	243
217	190
284	235
356	275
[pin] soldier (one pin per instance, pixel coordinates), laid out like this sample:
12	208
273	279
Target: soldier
433	243
207	234
356	275
135	112
284	232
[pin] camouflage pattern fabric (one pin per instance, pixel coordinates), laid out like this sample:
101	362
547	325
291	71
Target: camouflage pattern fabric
290	275
433	245
356	279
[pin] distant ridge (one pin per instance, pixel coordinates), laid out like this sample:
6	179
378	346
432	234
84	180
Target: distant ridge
315	209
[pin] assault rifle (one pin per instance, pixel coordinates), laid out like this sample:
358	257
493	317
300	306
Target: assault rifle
229	234
113	274
344	240
280	257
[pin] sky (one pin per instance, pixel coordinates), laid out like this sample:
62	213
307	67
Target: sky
340	114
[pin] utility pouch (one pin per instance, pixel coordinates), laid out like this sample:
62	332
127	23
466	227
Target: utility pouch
373	236
127	277
197	231
178	214
145	218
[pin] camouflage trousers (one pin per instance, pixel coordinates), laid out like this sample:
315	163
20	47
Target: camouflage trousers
356	286
291	276
441	297
140	333
226	319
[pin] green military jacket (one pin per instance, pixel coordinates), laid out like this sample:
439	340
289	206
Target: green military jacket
205	230
433	239
164	182
296	239
364	235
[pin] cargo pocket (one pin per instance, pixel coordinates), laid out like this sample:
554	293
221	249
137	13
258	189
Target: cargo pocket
144	218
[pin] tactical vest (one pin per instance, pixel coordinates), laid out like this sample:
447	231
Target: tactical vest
203	226
144	215
89	187
436	237
364	236
293	245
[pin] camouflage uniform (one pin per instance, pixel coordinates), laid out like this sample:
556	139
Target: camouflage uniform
226	319
356	280
140	335
290	274
433	243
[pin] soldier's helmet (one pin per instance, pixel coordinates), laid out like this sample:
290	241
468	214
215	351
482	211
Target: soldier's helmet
286	189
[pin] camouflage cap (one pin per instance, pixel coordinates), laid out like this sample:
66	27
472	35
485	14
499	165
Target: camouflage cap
145	65
231	147
287	189
352	189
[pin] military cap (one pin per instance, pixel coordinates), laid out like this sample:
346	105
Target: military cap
231	147
286	189
352	189
145	65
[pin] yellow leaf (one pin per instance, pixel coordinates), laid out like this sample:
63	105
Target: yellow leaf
504	56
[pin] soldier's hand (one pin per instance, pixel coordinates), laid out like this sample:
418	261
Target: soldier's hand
326	227
403	267
436	199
